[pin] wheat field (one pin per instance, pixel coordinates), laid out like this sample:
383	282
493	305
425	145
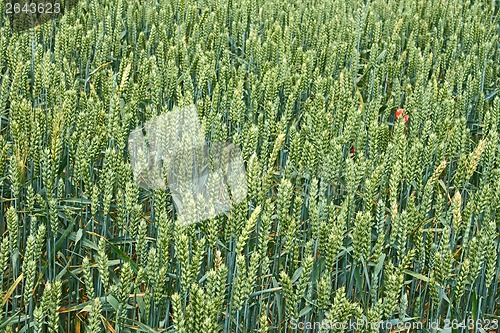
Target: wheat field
368	134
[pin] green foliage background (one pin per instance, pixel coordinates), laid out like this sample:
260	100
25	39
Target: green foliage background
352	212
